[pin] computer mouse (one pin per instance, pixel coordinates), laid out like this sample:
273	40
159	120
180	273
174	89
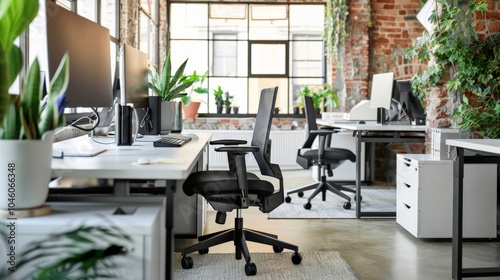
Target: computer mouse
361	122
143	161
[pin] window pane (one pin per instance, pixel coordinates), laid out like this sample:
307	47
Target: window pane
150	7
298	83
148	37
255	85
228	18
188	21
307	58
108	16
87	8
306	19
235	86
64	3
225	55
196	51
268	59
264	26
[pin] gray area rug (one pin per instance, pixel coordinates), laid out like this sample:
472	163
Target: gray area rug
332	208
273	266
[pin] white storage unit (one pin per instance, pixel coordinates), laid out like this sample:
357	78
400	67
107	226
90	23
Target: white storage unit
143	221
425	196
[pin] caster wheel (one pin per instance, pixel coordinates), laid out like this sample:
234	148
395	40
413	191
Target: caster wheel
250	269
296	258
300	194
187	262
203	251
356	197
307	206
277	249
288	199
347	205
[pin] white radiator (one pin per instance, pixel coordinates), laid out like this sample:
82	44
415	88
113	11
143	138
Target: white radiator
283	149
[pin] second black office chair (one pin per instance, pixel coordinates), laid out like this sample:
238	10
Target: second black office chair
238	189
324	157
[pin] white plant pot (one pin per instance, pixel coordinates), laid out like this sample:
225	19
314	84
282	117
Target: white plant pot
167	116
25	172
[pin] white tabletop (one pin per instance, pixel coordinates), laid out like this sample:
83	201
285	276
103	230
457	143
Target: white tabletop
481	145
372	126
120	162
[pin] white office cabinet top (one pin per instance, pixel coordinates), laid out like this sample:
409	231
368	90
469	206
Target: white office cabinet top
425	193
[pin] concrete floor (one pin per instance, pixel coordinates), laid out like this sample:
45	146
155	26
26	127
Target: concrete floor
375	248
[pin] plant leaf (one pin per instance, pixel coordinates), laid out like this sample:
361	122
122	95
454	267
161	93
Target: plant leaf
4	87
30	100
15	17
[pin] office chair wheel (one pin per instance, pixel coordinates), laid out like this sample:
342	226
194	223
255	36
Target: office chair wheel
187	262
277	249
288	199
360	198
300	194
307	206
250	269
296	258
203	251
347	205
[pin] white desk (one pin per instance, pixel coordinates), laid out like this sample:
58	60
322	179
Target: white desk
492	148
371	132
118	163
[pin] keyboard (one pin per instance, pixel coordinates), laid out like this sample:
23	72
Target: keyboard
171	141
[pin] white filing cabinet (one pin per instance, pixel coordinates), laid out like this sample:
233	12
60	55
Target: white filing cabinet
143	221
425	196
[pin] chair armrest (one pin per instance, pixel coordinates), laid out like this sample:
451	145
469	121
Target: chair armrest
322	132
228	142
237	149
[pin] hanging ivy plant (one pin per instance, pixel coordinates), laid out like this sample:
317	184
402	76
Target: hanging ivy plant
465	64
336	12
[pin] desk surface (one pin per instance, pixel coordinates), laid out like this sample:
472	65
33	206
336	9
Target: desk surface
119	162
372	126
480	145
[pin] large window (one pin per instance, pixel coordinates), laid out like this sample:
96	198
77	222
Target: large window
246	47
148	29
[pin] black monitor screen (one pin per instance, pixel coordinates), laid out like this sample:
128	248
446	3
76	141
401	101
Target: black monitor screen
410	103
88	44
134	76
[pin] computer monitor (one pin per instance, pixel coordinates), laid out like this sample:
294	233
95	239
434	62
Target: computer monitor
88	44
409	101
133	75
381	91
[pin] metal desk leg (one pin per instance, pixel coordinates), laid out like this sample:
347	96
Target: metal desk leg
458	176
358	174
169	215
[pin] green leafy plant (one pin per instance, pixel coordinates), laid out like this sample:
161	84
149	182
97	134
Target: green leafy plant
462	61
228	99
20	115
166	86
219	96
322	97
196	88
334	34
87	252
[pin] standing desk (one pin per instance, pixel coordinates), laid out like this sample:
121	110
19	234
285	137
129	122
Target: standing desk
371	132
118	163
490	149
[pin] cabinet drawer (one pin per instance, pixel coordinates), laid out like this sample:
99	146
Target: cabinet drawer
407	172
407	216
406	193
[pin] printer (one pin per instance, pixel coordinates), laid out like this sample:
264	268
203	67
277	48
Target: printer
361	112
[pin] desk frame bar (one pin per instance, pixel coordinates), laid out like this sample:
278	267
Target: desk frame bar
391	137
458	272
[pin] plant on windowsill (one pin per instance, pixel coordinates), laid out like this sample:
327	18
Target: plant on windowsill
169	88
219	99
26	132
228	99
463	62
191	102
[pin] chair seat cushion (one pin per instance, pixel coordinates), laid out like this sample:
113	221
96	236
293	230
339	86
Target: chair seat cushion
207	183
330	155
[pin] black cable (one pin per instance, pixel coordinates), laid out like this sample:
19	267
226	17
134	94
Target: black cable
96	123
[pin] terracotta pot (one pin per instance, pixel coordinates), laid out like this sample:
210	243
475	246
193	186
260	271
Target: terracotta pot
191	110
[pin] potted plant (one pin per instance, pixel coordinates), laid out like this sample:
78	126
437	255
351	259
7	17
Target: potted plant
227	101
219	99
191	102
330	96
26	132
168	88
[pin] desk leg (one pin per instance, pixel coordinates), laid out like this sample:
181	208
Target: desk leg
169	215
458	176
358	174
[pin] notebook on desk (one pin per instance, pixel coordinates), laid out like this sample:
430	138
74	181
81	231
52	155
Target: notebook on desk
77	152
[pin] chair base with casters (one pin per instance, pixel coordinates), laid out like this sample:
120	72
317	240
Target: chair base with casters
240	236
322	186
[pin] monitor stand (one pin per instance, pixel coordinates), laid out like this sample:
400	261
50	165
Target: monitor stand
382	115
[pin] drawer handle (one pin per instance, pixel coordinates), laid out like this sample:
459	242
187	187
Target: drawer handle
407	164
407	206
406	185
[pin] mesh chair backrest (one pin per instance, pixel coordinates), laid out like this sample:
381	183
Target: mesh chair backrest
311	121
262	129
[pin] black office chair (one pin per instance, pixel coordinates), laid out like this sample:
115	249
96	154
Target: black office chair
238	189
325	158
